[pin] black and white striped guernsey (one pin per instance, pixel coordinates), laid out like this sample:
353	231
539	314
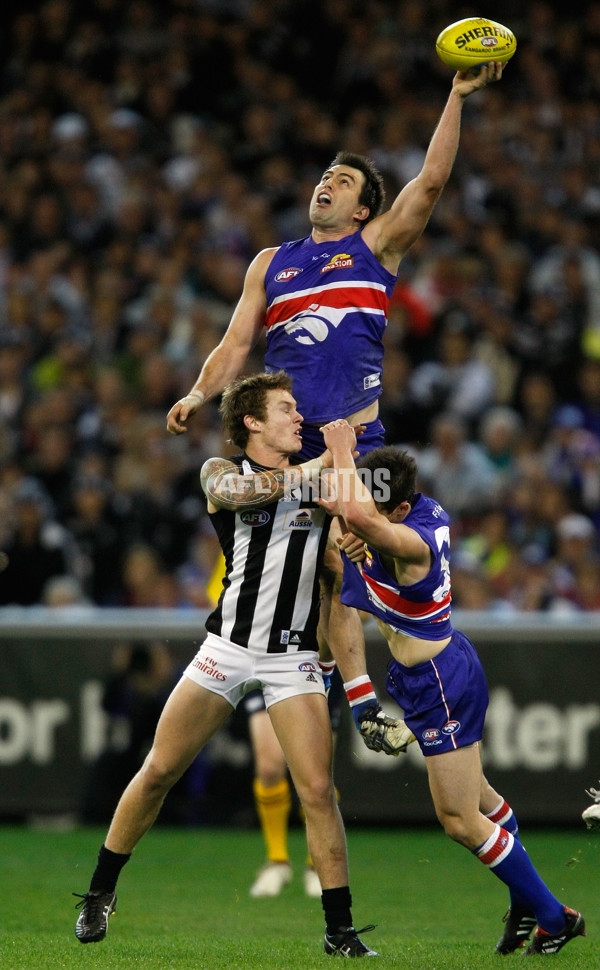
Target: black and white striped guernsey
270	596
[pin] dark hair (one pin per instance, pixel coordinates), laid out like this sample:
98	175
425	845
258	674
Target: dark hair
372	193
248	395
402	469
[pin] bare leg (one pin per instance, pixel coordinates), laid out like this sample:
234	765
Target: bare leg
455	781
190	718
303	728
273	801
489	798
269	761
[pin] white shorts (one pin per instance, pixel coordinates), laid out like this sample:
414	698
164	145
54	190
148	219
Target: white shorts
231	671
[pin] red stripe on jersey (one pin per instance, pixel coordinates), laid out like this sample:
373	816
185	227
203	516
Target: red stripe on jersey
393	601
350	295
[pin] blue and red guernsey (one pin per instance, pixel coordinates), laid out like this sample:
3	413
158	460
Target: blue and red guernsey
423	609
327	306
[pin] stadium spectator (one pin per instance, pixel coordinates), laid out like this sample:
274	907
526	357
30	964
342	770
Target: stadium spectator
465	477
575	556
97	530
456	381
37	547
499	433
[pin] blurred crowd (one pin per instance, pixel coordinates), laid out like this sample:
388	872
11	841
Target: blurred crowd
149	149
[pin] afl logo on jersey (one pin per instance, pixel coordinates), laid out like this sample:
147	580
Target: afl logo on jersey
287	274
254	517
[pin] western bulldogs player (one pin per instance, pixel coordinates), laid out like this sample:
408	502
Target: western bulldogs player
403	579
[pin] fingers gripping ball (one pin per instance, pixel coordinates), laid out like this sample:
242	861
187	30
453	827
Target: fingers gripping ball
384	733
473	42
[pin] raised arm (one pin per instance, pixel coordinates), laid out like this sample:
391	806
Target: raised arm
391	234
227	359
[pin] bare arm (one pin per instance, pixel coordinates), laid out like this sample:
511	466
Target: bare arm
227	359
391	234
226	487
356	504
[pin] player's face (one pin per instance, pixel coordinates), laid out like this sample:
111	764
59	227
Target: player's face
281	429
335	199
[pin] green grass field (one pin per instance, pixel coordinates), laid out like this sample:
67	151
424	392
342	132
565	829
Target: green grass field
184	904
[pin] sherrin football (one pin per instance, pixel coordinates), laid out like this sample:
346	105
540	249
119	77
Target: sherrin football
475	41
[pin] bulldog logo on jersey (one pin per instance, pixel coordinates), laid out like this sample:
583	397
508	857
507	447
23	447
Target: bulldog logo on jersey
339	261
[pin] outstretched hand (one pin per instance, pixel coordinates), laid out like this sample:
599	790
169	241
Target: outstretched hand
182	410
465	82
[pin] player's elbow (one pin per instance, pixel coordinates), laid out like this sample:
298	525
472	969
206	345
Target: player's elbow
432	180
358	521
434	188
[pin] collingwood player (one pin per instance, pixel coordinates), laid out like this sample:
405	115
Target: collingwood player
261	634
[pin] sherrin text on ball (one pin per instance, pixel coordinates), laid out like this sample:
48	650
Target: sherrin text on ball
473	42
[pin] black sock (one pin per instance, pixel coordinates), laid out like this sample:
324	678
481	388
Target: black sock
107	871
337	903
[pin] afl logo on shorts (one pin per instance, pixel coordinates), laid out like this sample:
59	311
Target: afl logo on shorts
307	666
287	274
254	517
451	727
430	734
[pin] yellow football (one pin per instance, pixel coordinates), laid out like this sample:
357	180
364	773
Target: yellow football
475	41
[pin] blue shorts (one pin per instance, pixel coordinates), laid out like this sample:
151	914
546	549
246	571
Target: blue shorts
313	444
444	699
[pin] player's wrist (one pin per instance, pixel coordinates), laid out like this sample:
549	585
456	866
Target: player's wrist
327	666
313	465
361	697
198	395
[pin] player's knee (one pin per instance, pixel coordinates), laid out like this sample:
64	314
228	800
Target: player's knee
318	795
158	775
455	826
271	773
